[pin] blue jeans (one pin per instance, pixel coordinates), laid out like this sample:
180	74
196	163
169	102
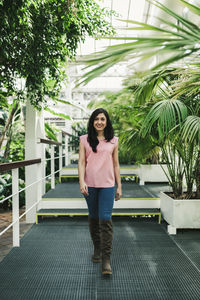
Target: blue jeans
100	202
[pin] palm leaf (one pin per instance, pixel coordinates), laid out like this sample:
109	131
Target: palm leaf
193	8
188	32
188	82
50	132
166	114
61	115
188	24
151	83
67	102
191	129
144	26
179	44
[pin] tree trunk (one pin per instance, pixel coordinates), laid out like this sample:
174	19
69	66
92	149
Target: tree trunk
9	121
6	152
155	159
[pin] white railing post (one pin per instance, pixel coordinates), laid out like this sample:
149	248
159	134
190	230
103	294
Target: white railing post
31	153
39	184
66	151
15	206
44	172
52	168
40	133
42	168
60	153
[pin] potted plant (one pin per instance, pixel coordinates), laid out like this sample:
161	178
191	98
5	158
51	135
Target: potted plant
178	126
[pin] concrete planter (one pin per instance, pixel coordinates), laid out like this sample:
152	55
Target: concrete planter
152	173
180	213
145	173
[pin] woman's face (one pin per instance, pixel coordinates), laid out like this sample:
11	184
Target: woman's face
100	122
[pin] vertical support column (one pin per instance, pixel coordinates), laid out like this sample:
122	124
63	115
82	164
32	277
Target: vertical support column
66	151
52	168
44	172
31	172
15	206
68	123
60	154
41	151
141	175
39	184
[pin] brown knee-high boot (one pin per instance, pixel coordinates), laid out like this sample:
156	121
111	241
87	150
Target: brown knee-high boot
106	233
95	235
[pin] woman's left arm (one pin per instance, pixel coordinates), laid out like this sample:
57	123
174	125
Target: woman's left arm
117	174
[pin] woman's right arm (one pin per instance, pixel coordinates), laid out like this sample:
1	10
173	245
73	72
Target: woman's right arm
81	170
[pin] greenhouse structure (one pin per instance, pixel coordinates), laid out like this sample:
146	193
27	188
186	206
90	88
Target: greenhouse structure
100	149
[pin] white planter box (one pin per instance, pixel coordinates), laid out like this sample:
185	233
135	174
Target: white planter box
152	173
146	173
180	213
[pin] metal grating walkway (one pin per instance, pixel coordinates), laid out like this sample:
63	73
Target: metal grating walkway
54	262
130	190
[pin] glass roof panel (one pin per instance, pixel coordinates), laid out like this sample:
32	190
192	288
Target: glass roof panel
127	10
112	79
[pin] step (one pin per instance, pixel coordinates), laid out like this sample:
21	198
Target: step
72	169
84	212
62	178
68	196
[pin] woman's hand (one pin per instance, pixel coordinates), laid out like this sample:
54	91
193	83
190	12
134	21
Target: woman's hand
84	188
118	194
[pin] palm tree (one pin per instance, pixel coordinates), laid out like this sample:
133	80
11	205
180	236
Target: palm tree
127	119
168	118
175	118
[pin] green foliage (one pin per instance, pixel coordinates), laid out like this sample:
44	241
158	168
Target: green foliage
176	124
151	119
48	184
50	131
61	115
38	37
6	190
3	118
127	119
166	114
16	149
191	129
11	119
78	129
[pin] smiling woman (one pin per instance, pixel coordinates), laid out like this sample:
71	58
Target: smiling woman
98	172
99	125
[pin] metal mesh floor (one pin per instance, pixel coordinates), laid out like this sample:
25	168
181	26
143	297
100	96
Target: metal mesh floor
54	262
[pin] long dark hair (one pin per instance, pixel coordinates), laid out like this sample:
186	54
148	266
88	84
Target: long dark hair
92	134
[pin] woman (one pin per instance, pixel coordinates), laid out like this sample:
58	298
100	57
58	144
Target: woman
98	171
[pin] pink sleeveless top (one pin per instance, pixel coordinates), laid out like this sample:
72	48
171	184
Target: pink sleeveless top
99	170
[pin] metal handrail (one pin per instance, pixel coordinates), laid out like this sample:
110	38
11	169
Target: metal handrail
9	226
50	142
17	164
56	157
66	133
14	166
3	200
